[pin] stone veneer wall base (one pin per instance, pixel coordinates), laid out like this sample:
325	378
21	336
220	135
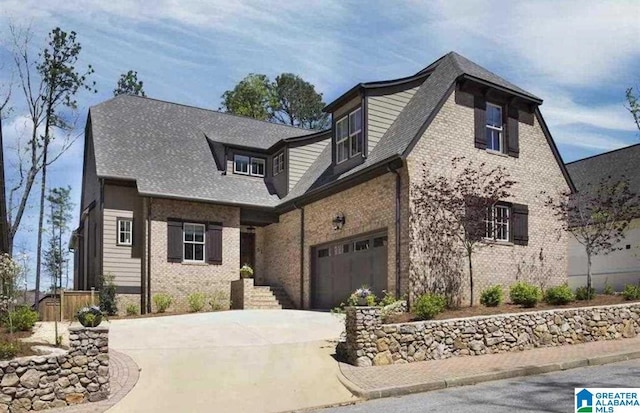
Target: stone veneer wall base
369	342
76	376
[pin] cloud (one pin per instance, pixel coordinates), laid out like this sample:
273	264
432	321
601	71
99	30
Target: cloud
575	42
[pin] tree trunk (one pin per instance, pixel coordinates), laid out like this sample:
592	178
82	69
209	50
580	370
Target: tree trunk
470	278
4	218
588	275
43	187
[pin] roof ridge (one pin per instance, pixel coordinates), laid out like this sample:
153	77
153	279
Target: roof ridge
603	153
205	110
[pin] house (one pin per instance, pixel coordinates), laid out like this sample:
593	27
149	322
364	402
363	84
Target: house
176	198
621	266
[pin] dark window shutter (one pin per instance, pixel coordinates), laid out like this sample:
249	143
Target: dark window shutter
214	243
520	224
480	120
513	146
174	241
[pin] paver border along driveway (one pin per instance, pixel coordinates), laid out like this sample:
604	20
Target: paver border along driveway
232	361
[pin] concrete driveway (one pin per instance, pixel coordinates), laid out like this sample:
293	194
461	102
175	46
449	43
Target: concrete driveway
231	361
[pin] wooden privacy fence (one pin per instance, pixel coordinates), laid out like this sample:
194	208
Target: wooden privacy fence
72	301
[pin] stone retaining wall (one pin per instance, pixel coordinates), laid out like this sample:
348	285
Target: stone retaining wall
369	342
75	376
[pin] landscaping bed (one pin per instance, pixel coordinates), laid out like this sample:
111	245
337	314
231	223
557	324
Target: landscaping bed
19	347
506	308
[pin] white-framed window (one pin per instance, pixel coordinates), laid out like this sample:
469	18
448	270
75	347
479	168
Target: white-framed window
257	166
241	164
193	242
494	128
497	223
355	132
125	231
278	163
342	140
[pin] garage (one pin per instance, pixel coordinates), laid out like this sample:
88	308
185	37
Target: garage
339	268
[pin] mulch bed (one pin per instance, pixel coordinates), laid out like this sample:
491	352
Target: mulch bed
24	348
509	308
127	317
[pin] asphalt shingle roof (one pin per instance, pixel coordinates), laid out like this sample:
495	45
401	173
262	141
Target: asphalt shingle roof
163	146
616	164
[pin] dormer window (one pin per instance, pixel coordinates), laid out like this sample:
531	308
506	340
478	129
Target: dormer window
349	136
245	165
494	128
278	163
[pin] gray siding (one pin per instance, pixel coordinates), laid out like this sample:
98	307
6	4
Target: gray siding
301	158
383	111
123	262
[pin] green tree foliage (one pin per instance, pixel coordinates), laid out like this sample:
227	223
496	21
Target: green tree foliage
128	84
56	256
251	97
289	100
297	103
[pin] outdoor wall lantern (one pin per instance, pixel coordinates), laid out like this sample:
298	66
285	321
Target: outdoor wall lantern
338	221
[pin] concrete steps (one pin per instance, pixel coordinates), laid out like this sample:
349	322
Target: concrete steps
267	297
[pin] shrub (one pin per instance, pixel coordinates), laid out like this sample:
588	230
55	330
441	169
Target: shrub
491	296
162	301
582	293
196	302
429	305
631	292
388	299
21	319
132	309
8	350
90	316
559	295
217	300
608	289
107	294
525	294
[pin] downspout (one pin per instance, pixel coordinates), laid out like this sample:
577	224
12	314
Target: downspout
301	255
148	287
398	193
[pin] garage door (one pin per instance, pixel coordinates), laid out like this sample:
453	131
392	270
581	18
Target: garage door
342	267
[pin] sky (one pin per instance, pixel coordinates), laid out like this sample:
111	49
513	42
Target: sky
579	56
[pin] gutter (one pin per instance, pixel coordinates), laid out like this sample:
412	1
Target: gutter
398	226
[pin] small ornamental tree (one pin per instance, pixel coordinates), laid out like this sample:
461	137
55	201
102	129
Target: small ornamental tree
456	206
597	216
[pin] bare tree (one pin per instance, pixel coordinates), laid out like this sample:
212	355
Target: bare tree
634	105
597	216
5	97
455	207
49	85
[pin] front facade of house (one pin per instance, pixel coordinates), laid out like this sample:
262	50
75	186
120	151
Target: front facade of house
176	199
622	265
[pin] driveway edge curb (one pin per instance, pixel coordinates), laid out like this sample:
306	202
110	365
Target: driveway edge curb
522	371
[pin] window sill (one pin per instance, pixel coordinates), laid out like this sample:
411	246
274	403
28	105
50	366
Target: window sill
124	245
502	243
196	263
492	152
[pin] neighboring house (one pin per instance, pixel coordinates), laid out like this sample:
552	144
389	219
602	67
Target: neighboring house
622	266
176	198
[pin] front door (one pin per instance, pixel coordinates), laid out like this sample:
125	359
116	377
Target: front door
248	249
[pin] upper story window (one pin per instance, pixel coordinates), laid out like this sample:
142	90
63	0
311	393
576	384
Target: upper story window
278	163
494	128
245	165
497	223
349	136
193	242
125	230
257	166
